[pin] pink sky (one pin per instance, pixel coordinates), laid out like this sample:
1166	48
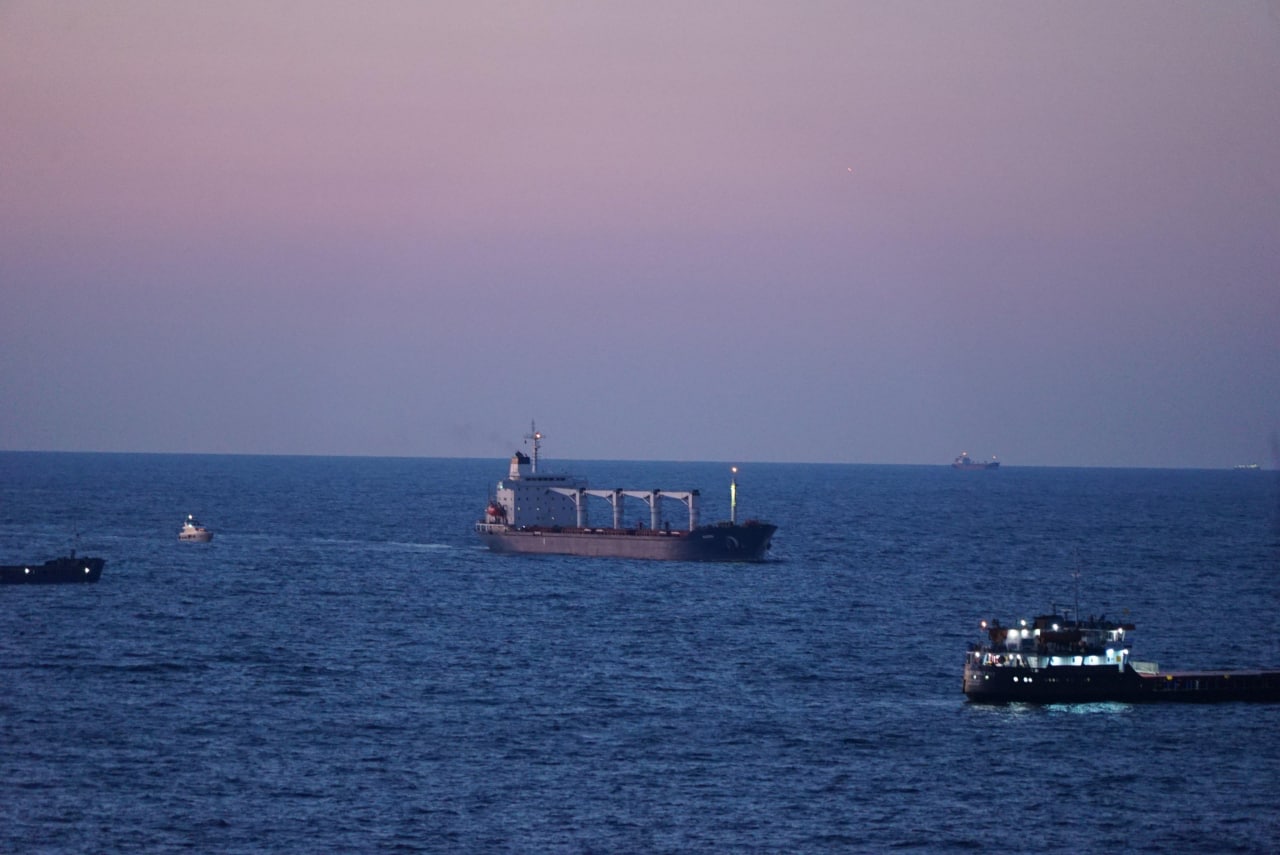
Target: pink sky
865	232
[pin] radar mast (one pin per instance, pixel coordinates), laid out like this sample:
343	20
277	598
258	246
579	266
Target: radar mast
537	442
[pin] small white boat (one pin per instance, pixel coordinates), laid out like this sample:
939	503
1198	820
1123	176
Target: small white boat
192	530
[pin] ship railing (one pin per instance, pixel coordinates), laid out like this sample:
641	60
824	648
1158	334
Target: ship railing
997	658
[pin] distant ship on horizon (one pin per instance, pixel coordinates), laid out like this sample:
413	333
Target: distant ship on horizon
964	461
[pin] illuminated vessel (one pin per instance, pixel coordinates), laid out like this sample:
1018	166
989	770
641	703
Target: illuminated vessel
964	461
537	512
1057	659
59	571
193	532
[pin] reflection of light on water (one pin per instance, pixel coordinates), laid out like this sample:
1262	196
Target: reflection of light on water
1005	710
1099	708
1019	709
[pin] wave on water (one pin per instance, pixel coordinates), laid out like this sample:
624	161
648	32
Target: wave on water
349	674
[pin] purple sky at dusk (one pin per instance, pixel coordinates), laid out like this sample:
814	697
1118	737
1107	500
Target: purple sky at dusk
802	231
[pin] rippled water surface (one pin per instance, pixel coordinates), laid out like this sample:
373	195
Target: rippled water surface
343	669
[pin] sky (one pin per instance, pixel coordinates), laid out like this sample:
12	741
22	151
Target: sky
850	232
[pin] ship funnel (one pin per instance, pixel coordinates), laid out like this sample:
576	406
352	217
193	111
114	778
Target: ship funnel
520	466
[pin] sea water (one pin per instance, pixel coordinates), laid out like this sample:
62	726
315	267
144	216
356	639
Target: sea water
344	669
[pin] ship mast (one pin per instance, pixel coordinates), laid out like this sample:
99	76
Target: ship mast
733	495
1077	575
537	443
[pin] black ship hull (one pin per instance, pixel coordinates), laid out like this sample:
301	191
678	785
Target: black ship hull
747	542
1077	684
59	571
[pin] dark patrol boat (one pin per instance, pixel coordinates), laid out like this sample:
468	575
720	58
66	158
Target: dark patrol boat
58	571
537	512
1057	659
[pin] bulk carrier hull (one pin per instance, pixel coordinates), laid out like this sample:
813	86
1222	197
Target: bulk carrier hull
59	571
748	542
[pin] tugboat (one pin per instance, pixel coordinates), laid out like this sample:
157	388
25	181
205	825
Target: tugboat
193	532
1058	659
536	512
58	571
964	461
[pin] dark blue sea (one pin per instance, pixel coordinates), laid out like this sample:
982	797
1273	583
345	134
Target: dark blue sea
344	669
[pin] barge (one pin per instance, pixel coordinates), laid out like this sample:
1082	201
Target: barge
1058	659
544	513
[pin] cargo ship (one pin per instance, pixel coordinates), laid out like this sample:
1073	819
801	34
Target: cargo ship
59	571
964	461
533	511
1059	659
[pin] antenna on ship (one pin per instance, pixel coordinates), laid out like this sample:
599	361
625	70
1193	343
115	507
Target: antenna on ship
733	495
537	442
1077	575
